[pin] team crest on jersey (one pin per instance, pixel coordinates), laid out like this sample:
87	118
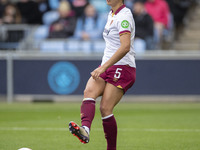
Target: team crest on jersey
125	24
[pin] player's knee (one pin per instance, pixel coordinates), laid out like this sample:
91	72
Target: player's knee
105	110
88	92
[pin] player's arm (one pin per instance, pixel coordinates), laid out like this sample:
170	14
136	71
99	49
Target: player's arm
125	40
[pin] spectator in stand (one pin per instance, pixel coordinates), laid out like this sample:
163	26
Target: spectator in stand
144	27
30	11
11	15
159	11
63	27
78	6
89	25
3	3
179	9
129	3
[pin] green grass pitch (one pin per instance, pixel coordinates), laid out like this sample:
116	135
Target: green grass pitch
141	126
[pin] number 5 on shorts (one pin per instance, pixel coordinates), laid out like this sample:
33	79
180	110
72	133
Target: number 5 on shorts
118	73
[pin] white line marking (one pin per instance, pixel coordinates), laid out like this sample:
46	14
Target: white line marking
96	129
172	130
31	129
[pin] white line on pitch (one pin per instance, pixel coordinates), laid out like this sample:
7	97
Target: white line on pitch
95	129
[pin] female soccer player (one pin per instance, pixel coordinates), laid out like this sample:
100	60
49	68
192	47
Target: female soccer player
113	78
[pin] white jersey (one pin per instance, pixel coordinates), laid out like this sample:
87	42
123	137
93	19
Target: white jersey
120	22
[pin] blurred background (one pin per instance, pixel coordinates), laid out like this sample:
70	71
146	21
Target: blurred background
49	47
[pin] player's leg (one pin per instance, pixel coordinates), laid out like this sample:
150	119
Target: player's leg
94	88
111	97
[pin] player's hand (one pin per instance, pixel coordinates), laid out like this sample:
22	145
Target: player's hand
97	72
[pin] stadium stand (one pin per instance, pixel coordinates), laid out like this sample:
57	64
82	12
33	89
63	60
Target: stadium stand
29	37
189	38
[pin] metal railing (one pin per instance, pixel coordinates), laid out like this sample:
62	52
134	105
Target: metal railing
12	35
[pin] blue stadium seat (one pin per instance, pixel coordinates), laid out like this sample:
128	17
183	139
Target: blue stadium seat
73	45
100	5
52	46
41	32
99	46
49	17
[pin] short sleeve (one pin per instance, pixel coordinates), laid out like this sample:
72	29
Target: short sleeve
124	24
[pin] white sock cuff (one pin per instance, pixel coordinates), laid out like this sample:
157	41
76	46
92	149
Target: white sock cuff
87	129
106	117
88	99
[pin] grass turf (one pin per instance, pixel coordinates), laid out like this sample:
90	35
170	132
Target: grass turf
141	126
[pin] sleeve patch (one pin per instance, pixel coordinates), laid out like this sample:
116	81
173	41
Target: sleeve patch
125	24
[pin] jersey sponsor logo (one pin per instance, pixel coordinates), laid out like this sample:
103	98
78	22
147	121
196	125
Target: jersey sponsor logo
63	78
125	24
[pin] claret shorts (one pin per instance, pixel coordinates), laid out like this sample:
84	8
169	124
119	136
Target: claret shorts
121	76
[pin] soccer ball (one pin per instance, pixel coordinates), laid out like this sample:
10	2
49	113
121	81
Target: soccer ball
24	148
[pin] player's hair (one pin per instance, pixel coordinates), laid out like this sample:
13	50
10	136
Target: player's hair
123	1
